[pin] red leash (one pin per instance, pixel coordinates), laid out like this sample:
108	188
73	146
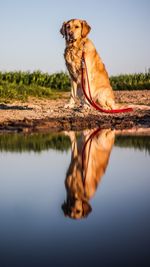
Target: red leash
89	98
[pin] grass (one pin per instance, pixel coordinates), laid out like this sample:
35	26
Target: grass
138	81
21	85
11	91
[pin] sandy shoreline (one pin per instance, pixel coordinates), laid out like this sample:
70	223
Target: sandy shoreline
44	114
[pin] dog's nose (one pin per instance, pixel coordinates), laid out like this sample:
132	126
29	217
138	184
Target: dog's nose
71	34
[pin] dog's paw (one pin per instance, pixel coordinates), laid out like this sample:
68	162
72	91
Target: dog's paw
71	135
69	105
86	106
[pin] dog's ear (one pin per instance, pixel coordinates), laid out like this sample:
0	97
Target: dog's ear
64	207
85	28
62	30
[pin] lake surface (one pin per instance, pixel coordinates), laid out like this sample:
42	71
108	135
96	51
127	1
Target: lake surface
74	199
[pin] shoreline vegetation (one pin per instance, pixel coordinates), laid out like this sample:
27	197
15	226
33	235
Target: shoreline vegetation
39	142
20	85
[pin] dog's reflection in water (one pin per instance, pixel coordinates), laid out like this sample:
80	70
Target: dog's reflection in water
90	155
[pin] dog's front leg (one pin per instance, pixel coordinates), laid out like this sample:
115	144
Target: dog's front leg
73	96
84	101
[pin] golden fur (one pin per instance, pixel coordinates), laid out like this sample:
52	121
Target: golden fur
75	32
84	174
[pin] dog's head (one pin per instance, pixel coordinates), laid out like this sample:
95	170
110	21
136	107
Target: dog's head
75	29
76	208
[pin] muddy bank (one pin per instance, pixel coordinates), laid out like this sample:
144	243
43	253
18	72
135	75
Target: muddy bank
44	115
74	122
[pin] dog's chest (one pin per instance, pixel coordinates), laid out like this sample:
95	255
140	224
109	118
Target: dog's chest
73	61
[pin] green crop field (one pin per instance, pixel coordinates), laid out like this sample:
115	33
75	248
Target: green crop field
20	85
139	81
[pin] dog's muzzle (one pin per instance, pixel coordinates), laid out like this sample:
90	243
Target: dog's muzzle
69	36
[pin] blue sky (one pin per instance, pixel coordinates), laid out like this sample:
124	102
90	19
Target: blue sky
30	39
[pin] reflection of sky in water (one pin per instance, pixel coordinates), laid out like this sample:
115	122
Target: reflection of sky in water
34	230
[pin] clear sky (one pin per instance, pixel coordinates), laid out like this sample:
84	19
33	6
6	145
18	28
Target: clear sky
30	38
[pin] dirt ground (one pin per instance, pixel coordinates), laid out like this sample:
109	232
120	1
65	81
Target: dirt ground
36	114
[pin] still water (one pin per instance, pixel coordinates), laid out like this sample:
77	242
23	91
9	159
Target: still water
74	199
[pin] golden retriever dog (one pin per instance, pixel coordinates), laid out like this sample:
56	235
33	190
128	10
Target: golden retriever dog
75	32
90	155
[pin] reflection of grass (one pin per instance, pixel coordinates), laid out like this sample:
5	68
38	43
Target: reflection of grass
33	142
38	142
137	142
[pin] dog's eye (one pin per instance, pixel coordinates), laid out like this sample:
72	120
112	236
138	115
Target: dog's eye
68	26
76	26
